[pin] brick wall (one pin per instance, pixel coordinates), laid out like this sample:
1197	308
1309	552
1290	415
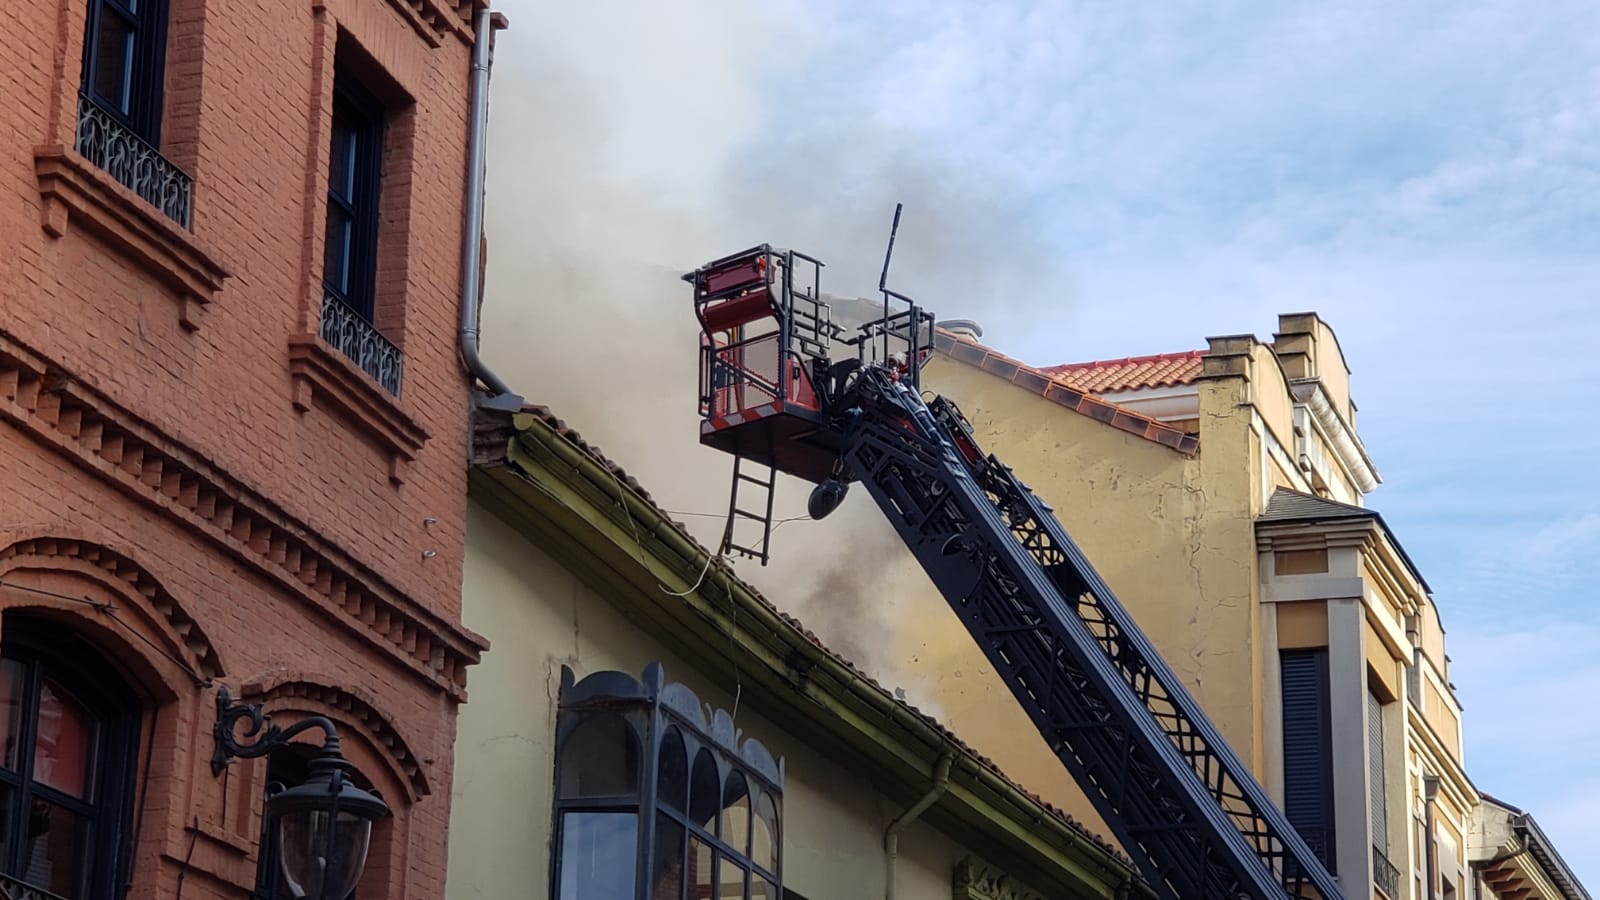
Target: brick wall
162	450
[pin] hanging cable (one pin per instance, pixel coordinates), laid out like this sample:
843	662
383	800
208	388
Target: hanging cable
110	610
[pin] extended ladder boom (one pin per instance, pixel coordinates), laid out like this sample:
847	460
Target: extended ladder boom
1176	796
1160	776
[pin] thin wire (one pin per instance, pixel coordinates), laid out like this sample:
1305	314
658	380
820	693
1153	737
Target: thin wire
111	611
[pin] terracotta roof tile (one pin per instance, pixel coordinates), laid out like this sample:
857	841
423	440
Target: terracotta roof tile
1131	373
1070	393
490	428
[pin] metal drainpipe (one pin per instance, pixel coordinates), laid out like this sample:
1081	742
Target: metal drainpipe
1430	791
891	835
472	231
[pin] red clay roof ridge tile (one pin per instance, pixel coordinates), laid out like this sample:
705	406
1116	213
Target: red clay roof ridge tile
1079	398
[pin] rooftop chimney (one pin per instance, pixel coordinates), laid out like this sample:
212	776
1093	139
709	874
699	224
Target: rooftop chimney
963	328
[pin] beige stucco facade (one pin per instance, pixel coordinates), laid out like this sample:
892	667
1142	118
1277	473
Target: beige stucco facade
1194	545
569	565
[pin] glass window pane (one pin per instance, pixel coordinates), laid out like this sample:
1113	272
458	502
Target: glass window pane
55	850
736	813
731	879
666	870
12	677
764	834
336	250
63	749
113	64
672	772
702	870
600	758
598	855
342	153
705	791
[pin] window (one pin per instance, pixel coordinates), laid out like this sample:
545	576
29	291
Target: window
66	776
119	103
350	233
124	61
355	158
655	803
1307	750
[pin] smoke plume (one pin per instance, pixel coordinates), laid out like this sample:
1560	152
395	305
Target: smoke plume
631	142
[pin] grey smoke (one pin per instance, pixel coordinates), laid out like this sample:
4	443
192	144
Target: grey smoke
620	157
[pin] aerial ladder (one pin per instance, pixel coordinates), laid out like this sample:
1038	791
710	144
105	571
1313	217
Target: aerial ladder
785	389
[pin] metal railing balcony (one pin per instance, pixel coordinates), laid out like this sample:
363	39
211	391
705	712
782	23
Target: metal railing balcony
17	889
126	157
350	333
1385	877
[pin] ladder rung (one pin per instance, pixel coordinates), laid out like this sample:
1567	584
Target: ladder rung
753	480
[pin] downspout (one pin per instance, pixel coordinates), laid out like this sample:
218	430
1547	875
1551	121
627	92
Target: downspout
891	835
501	396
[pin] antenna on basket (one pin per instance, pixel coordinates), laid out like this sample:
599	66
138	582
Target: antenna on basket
883	277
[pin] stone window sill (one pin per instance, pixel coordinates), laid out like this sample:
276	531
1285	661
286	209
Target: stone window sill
324	375
76	191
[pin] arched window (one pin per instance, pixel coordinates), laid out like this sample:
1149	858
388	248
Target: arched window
70	727
654	801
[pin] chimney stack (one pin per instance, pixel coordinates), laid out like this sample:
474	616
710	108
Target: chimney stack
963	328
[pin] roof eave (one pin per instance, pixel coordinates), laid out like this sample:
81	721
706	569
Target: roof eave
541	481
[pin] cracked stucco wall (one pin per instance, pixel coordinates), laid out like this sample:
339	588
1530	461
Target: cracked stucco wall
1173	537
539	616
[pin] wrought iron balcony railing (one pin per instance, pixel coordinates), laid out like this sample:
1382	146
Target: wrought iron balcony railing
351	334
1384	875
17	889
110	145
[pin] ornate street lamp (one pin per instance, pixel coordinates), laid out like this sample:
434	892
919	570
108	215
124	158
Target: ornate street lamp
323	825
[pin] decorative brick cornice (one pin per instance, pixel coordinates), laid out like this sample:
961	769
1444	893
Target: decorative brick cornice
977	881
348	704
51	551
75	190
40	398
434	19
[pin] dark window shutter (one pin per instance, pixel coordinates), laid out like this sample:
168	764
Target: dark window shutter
1307	749
1378	803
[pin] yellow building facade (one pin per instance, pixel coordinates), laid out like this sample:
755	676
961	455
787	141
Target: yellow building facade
1220	494
621	652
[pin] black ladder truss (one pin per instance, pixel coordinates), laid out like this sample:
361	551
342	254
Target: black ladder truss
1162	778
754	538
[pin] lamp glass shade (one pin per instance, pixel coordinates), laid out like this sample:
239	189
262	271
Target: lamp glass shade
322	853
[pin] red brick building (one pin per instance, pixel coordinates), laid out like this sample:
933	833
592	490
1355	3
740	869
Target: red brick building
232	426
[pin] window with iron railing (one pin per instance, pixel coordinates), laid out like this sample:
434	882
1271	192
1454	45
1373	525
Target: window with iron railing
350	234
119	103
1385	877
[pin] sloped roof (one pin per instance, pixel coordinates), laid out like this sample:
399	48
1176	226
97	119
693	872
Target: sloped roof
1056	390
1292	506
1555	868
1133	372
1286	506
493	431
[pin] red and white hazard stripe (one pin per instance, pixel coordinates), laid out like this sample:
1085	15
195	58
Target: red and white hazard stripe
717	423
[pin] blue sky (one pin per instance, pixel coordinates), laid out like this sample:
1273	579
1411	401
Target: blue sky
1102	179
